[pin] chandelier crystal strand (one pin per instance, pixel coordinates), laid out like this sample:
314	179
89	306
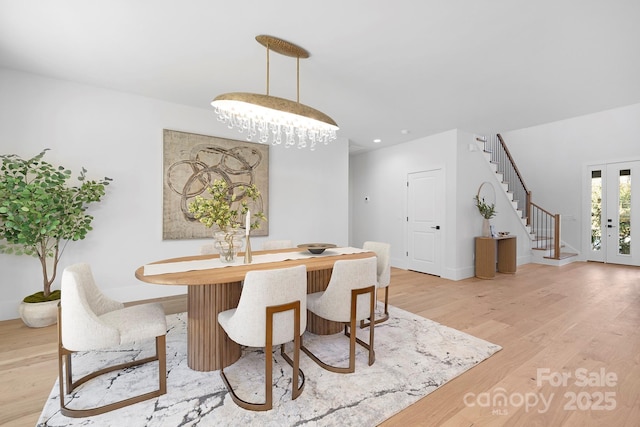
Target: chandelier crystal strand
276	120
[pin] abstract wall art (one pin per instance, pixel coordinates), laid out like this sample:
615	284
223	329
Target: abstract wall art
191	162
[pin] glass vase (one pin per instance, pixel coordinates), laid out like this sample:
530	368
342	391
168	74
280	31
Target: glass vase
486	228
228	243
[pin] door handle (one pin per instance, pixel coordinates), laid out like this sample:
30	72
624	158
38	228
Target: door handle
437	227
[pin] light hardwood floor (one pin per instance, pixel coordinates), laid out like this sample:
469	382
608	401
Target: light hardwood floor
581	320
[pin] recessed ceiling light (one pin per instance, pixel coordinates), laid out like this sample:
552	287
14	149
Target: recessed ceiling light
405	131
377	140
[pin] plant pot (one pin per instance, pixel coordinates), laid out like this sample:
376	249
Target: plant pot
486	228
39	314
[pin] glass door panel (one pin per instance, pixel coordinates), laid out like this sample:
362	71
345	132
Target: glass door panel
624	212
596	246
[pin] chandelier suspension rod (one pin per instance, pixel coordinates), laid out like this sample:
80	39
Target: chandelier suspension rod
267	69
297	74
298	71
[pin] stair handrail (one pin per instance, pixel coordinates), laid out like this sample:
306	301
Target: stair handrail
542	209
540	218
523	190
505	164
511	160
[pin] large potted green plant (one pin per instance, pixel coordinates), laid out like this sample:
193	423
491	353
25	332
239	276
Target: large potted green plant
39	214
226	210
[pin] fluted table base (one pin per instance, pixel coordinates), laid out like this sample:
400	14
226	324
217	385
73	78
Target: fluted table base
317	281
203	332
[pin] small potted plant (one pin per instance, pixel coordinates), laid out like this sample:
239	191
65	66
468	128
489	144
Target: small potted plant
226	209
487	211
39	215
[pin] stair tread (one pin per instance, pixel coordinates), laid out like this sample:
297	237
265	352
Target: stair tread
563	255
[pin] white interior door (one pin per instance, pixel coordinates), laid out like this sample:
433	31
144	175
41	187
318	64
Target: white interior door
615	213
425	199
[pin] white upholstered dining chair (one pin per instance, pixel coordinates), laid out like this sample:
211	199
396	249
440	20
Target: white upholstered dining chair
272	310
349	297
90	321
383	273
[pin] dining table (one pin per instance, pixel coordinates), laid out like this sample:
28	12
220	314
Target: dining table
214	286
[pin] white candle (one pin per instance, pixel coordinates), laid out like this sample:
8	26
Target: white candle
248	224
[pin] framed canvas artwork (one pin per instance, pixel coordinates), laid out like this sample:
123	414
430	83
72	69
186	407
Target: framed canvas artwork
191	162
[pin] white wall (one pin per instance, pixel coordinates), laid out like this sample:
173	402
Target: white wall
120	135
552	159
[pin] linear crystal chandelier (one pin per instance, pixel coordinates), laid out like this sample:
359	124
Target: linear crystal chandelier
272	119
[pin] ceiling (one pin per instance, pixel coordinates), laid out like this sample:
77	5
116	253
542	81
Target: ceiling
394	70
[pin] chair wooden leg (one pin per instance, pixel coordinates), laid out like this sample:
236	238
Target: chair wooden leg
386	301
268	366
364	323
295	363
77	413
63	378
161	352
351	334
298	374
368	346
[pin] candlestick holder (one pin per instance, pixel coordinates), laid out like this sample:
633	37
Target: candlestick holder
247	252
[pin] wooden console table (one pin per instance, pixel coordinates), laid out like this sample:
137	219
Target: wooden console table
503	248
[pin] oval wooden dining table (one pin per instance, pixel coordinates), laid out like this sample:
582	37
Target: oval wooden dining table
214	290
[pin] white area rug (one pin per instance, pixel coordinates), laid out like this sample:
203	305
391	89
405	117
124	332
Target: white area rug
414	356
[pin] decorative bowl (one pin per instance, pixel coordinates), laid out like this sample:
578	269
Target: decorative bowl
316	248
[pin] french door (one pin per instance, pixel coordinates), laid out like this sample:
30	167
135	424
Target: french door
614	226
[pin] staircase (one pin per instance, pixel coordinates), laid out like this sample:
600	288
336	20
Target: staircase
543	227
